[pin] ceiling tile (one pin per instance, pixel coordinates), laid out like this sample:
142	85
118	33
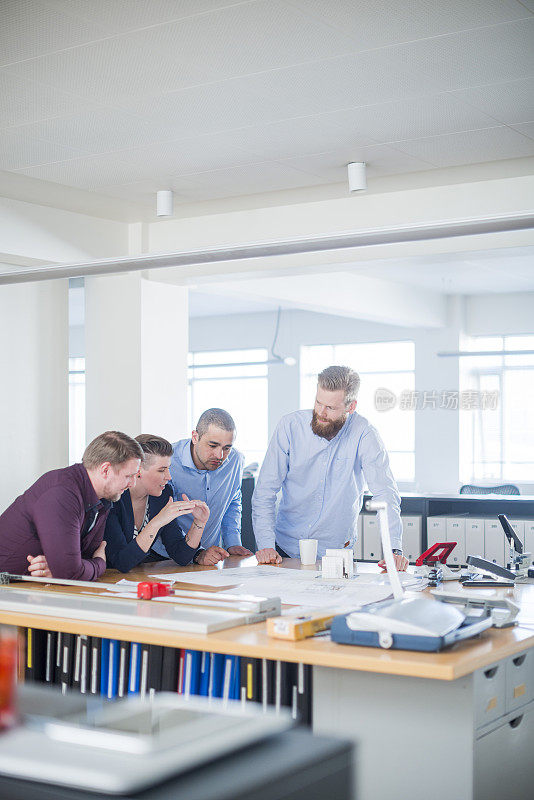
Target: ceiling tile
86	173
470	147
527	129
380	160
111	70
381	22
143	192
30	29
203	153
411	118
23	101
97	131
119	16
246	38
252	179
295	137
506	102
298	91
486	55
19	150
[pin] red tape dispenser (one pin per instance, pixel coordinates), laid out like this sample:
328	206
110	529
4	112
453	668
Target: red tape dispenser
149	589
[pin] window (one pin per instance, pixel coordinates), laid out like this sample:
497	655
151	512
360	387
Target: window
386	366
497	430
238	386
76	409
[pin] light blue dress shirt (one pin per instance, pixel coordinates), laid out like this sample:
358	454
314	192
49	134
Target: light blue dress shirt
220	489
322	484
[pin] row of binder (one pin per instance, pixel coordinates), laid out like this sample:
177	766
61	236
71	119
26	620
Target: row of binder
474	536
115	668
369	542
478	536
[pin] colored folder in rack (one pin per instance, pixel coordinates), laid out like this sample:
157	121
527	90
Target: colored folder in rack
95	659
135	668
216	675
169	669
155	660
204	682
231	678
113	669
191	672
124	663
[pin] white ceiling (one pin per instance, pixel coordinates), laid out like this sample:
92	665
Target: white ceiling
219	98
469	273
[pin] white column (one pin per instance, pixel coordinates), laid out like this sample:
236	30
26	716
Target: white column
34	396
437	430
136	356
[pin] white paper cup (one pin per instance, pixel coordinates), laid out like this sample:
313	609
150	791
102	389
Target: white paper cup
308	551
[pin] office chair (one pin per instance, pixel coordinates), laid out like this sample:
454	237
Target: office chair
505	488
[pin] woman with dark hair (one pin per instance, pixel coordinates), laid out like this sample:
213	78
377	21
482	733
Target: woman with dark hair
142	525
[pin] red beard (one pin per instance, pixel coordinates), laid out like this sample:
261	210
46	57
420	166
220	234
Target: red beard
327	430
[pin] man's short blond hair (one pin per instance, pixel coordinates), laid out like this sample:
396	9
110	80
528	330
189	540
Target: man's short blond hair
113	446
336	378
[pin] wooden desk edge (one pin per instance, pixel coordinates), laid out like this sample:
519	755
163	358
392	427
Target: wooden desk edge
251	640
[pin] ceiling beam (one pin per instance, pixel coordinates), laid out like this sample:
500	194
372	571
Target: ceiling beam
209	257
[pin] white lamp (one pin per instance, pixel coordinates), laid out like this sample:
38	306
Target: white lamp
164	203
357	176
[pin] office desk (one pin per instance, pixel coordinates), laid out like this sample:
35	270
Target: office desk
307	768
425	723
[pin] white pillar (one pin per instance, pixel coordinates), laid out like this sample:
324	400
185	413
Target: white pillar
437	430
34	396
136	356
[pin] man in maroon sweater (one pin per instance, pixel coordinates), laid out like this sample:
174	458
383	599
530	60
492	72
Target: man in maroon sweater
55	529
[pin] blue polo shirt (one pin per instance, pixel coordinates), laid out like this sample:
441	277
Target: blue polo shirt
220	489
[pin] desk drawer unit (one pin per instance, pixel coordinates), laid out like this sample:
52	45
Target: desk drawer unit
519	673
509	742
489	693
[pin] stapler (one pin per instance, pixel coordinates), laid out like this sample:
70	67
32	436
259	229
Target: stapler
517	568
519	560
434	567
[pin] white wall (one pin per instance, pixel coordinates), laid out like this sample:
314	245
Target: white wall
437	431
490	314
30	231
34	396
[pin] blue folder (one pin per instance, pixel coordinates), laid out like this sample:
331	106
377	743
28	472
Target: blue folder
204	674
191	672
231	678
104	668
113	670
216	675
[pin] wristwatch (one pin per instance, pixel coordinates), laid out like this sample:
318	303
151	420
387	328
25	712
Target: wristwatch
396	551
201	550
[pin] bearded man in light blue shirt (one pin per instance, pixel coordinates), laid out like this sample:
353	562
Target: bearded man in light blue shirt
322	460
207	467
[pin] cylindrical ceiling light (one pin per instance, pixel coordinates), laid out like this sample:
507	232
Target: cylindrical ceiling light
357	177
164	203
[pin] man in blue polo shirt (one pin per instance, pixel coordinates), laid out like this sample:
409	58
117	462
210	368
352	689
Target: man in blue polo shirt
208	468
